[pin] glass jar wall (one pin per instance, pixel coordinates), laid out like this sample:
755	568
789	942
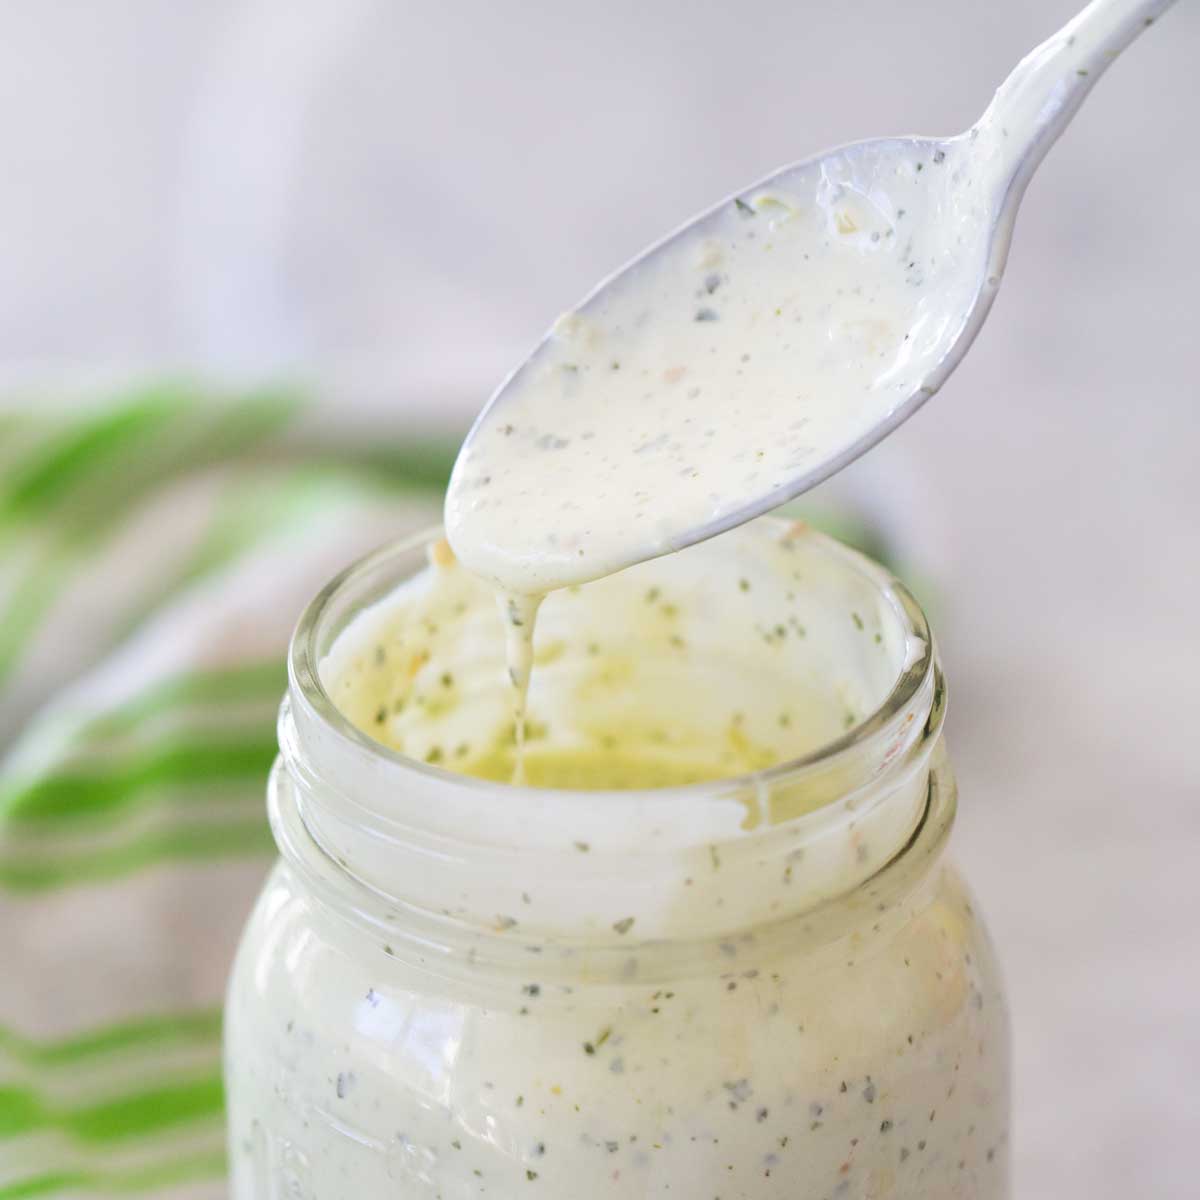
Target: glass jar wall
767	986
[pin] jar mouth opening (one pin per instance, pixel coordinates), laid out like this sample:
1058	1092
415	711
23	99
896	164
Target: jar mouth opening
374	575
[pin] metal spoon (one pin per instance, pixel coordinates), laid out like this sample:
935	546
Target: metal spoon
560	522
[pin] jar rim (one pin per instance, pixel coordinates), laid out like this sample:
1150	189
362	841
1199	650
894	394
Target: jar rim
918	671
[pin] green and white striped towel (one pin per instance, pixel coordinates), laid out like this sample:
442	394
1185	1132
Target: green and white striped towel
154	554
155	551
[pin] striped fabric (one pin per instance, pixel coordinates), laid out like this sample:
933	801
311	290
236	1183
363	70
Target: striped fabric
155	551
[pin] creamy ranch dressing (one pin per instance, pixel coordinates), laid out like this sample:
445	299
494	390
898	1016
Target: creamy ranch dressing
767	988
735	656
717	371
766	343
747	354
518	612
759	346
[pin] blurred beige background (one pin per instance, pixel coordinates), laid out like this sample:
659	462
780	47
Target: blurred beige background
393	199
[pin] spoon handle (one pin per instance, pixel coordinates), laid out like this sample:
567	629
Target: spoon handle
1037	101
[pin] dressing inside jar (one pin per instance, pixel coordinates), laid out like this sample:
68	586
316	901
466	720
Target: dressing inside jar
715	950
739	654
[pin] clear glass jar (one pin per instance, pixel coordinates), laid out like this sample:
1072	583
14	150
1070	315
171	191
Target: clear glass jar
452	988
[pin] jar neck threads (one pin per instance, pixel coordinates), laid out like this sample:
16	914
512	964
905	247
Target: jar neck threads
472	867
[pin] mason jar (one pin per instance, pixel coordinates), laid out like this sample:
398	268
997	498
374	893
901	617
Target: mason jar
773	986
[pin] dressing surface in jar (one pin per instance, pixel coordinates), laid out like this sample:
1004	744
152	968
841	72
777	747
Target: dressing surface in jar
715	949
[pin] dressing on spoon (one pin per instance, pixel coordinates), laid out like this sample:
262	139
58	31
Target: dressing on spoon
762	346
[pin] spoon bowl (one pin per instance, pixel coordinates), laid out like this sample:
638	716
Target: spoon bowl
767	342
